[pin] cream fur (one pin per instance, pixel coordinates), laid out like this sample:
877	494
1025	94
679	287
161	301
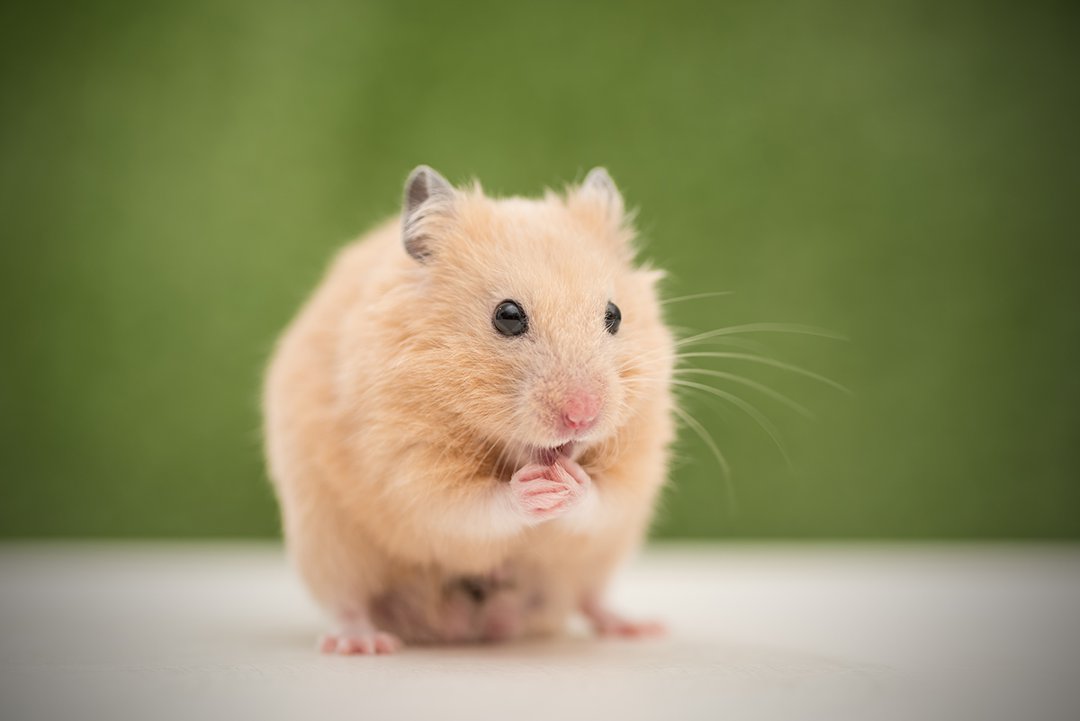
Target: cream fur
395	414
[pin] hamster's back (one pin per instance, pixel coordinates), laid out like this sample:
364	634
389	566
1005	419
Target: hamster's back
301	402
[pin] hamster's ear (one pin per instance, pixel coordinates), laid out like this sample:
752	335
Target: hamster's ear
599	204
600	189
428	196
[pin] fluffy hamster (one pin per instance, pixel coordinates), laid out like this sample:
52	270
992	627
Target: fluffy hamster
467	424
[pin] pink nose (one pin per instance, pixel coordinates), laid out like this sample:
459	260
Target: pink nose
580	411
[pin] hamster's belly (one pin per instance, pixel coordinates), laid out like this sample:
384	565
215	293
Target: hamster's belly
433	606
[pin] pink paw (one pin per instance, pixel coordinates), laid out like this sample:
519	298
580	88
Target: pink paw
366	643
608	623
546	492
624	628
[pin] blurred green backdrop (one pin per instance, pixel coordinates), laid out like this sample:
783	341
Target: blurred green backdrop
174	176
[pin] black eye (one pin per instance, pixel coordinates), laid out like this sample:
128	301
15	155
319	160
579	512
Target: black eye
509	318
612	318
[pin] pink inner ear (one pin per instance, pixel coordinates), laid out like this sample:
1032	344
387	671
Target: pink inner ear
599	177
598	185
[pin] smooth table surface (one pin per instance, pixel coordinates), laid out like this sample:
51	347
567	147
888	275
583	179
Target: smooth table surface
787	631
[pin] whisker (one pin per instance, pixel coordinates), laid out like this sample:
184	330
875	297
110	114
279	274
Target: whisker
695	296
729	489
760	387
764	360
749	409
736	342
762	328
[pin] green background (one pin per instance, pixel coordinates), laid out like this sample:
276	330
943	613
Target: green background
174	176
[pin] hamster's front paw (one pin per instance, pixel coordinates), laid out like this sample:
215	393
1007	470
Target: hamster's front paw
545	492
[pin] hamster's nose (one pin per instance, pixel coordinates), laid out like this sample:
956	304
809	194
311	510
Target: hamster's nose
580	410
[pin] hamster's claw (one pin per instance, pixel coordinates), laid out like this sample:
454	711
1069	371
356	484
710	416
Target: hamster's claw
363	643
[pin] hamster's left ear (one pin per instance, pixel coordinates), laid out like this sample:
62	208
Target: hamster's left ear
600	190
599	204
428	198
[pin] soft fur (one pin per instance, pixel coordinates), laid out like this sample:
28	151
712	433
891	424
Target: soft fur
403	431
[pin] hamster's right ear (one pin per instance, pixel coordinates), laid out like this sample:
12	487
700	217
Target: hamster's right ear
428	196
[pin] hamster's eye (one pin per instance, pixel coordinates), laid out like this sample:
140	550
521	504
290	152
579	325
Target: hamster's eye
509	318
612	318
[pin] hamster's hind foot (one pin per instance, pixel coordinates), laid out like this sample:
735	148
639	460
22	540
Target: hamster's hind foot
367	642
606	622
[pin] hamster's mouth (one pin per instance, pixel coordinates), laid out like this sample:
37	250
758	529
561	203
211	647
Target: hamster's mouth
541	455
548	456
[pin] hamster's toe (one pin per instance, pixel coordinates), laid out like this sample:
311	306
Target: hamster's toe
362	643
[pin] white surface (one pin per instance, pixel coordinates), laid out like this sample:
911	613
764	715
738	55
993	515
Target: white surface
817	631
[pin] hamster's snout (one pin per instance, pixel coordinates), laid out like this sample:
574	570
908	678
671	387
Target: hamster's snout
580	411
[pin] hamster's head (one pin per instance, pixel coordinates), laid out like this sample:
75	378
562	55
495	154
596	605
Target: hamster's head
533	326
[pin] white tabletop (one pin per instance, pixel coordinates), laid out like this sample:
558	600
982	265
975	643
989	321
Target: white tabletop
223	630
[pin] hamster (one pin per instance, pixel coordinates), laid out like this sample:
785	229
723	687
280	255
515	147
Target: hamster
467	425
